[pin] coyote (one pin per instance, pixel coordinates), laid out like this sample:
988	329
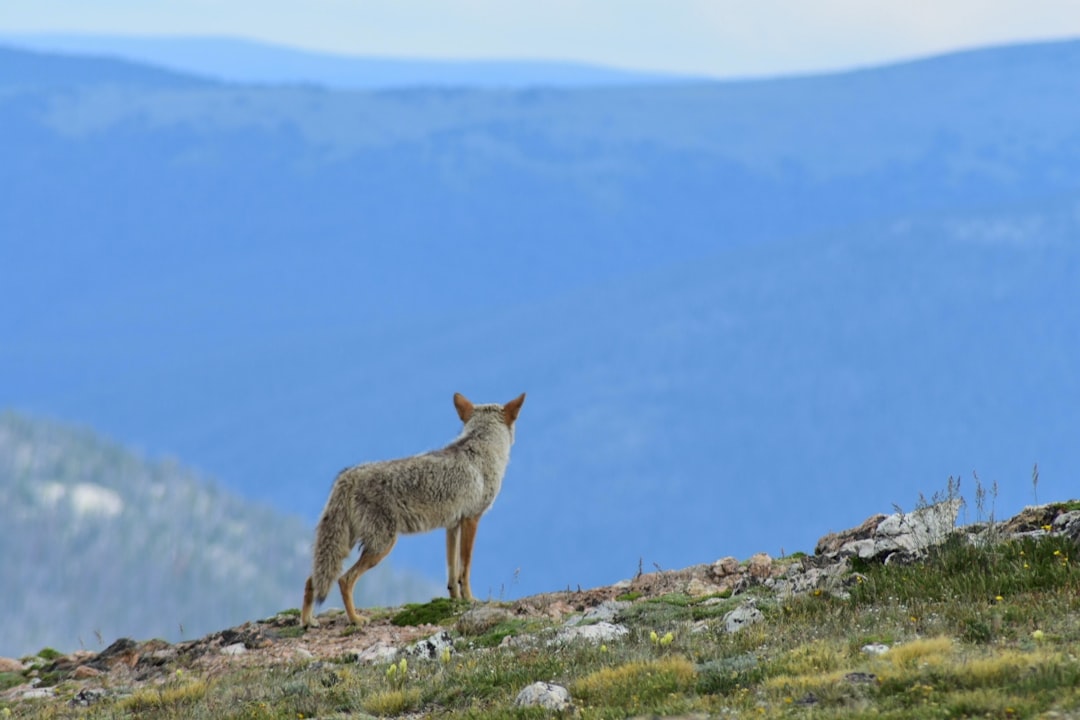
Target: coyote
371	504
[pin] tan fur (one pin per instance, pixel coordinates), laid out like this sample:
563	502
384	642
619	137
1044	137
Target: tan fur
373	503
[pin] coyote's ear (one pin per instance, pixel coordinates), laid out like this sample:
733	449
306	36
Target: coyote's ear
464	407
512	408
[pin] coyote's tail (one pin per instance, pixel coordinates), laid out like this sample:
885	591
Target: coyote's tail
331	548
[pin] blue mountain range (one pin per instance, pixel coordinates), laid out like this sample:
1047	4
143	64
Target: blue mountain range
742	311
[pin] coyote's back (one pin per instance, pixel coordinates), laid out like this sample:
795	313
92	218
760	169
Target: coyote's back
373	503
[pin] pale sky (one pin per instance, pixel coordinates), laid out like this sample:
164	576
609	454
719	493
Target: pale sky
713	37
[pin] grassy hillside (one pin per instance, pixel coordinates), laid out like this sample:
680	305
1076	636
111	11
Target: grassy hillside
98	542
982	626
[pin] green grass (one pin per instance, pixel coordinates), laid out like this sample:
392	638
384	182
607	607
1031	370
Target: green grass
974	632
501	631
10	680
290	631
430	613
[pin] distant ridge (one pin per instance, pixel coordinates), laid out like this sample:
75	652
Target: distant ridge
98	541
47	69
249	61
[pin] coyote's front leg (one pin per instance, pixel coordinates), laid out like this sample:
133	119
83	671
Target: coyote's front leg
468	537
453	553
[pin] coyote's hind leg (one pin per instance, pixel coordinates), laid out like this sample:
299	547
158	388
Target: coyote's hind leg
306	619
369	558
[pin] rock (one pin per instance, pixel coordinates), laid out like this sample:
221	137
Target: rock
725	566
378	653
303	653
864	549
518	641
161	656
600	632
432	647
697	588
11	665
916	531
38	693
760	566
234	649
558	609
87	696
481	618
546	695
542	607
907	535
124	651
832	542
1033	517
742	616
1068	524
251	636
829	577
85	671
875	649
604	612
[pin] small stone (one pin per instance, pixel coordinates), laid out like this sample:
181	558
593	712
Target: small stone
832	542
432	647
1068	523
875	649
740	617
604	612
85	671
122	651
162	656
519	641
303	653
725	566
378	653
760	566
546	695
38	693
87	697
558	609
478	620
234	649
698	588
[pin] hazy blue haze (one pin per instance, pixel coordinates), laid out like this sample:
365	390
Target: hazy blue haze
743	312
248	61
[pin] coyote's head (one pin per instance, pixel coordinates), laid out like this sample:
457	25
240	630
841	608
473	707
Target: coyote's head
491	414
